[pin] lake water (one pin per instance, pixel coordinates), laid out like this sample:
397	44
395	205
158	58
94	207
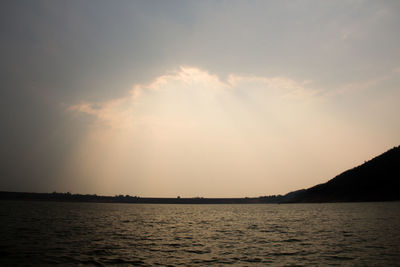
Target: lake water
48	233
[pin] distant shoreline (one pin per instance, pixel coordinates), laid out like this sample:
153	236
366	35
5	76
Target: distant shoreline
67	197
377	180
87	198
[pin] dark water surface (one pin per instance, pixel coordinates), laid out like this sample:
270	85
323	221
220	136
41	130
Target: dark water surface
48	233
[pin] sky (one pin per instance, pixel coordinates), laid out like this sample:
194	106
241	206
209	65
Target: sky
194	98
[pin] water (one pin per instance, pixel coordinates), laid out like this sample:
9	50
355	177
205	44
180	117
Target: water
49	233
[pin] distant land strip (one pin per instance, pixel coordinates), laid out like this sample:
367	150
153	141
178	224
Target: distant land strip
68	197
376	180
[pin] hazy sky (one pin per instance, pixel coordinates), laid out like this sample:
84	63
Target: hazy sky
194	98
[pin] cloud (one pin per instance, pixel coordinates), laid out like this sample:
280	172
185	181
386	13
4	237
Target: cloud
189	89
359	86
188	129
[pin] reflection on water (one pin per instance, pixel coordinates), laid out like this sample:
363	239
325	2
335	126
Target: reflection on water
47	233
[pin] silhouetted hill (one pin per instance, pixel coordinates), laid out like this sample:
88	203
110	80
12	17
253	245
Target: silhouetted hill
375	180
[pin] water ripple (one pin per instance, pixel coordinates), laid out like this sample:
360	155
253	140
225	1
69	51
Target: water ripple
40	233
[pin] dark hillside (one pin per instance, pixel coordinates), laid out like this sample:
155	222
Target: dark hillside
375	180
